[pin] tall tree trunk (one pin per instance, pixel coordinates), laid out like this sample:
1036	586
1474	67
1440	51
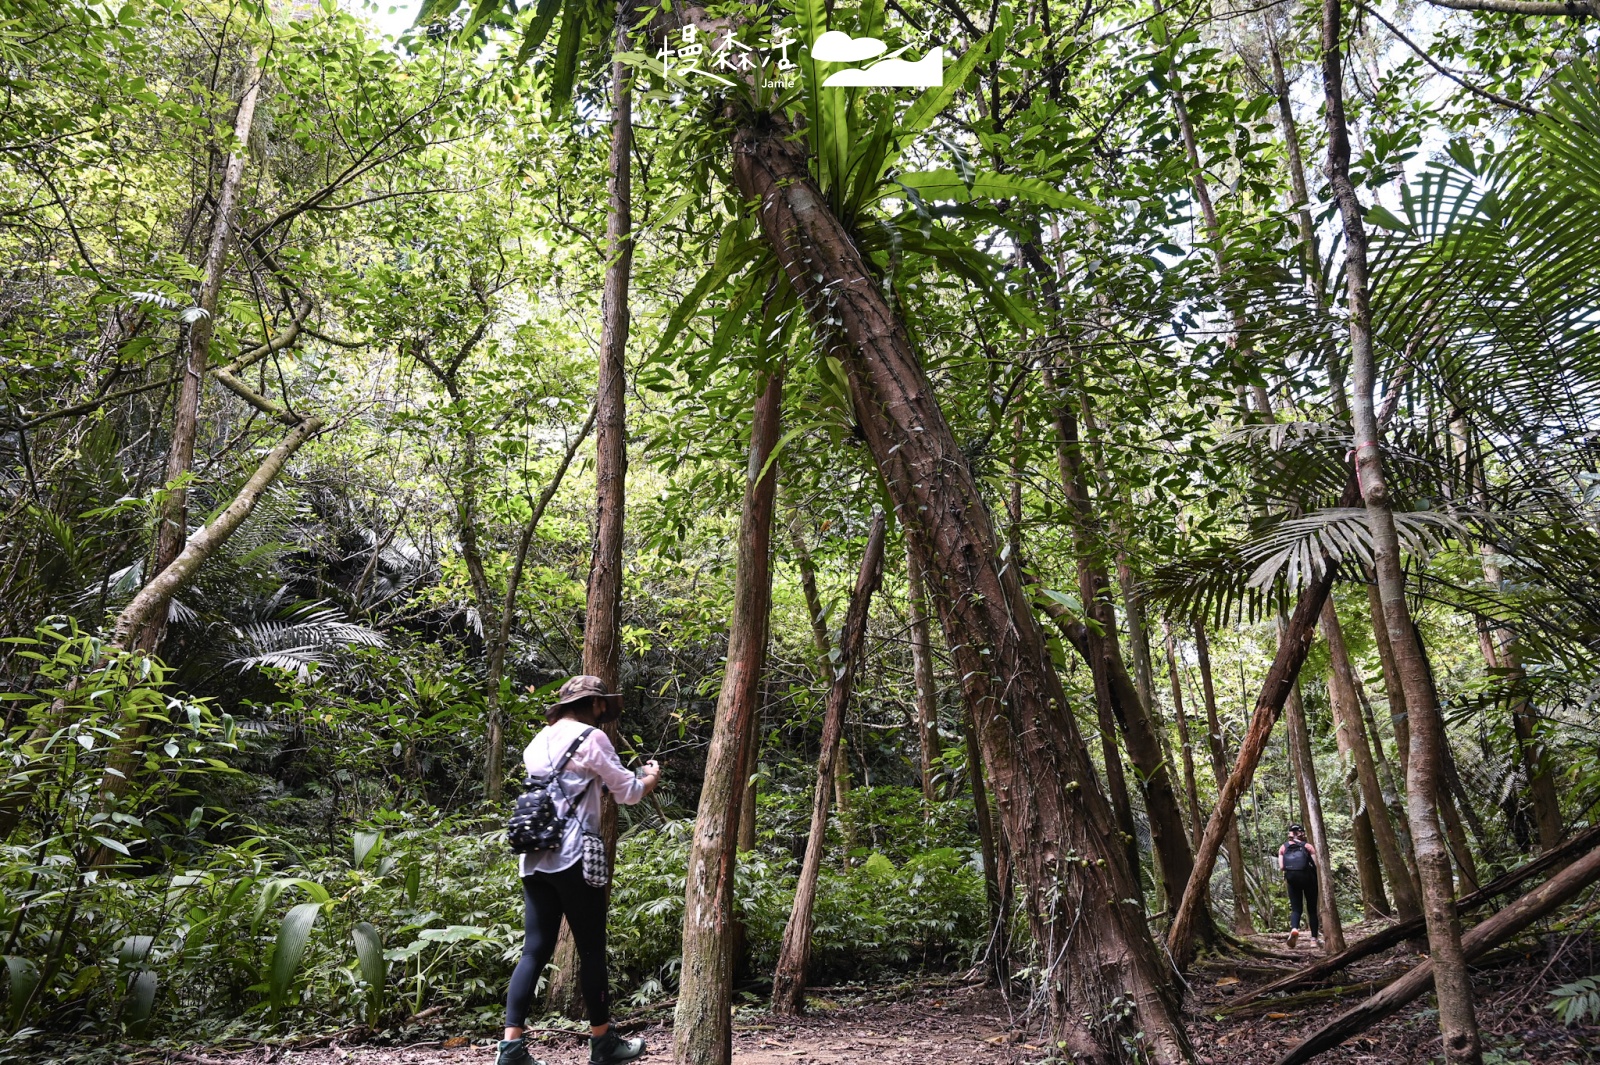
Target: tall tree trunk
1100	649
1216	746
1293	644
1369	866
1306	769
1352	738
1054	813
1386	780
1457	1018
922	671
176	556
1310	257
794	957
703	1032
1500	653
172	527
824	672
1190	785
1531	755
602	625
602	640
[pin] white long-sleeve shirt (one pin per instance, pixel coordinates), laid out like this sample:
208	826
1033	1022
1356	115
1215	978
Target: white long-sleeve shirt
595	762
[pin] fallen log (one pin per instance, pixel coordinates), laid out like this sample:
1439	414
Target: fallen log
1401	931
1477	942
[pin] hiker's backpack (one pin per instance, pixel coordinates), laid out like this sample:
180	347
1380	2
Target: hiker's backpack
537	823
1295	857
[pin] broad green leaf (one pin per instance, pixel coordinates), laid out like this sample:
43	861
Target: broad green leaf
23	976
364	845
141	1001
293	934
455	933
574	14
544	16
931	103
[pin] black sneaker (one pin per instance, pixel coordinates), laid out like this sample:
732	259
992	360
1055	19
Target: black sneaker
515	1052
611	1048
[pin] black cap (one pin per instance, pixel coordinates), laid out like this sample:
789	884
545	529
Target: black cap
1296	828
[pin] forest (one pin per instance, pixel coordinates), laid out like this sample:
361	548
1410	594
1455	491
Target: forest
1053	482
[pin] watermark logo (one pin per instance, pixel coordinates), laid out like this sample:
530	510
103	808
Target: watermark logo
722	60
890	72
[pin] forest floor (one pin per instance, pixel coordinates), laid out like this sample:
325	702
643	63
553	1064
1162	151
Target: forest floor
944	1023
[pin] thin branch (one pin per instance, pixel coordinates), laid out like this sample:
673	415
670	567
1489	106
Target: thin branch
1503	101
1555	8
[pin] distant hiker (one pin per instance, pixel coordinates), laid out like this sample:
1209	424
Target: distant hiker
563	863
1299	865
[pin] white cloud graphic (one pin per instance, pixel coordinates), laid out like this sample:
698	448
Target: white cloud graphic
836	47
892	73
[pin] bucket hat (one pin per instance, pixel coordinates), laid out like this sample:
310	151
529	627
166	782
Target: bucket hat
577	689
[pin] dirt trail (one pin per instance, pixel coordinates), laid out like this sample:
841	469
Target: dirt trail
961	1024
944	1025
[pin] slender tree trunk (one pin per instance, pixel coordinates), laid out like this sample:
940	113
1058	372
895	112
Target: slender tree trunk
154	596
752	765
602	626
1306	768
922	671
1190	785
1216	746
794	957
1399	712
841	799
808	586
824	673
1100	649
1386	780
500	640
1457	1018
1297	176
1352	737
1138	633
1275	689
1049	798
1369	867
1500	653
176	555
172	528
1531	754
703	1032
602	640
996	872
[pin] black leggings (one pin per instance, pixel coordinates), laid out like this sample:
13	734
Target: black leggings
1302	889
546	898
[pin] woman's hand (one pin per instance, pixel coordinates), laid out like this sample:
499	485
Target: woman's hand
651	775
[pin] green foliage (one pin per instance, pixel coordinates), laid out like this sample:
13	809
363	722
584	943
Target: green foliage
1577	1002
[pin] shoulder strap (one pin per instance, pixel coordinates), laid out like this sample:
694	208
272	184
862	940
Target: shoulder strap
572	750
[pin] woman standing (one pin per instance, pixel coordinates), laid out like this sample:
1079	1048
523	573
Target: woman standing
1298	864
555	883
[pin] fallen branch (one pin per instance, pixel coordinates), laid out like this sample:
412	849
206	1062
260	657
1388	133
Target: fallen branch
1249	1007
159	590
1481	939
1401	931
